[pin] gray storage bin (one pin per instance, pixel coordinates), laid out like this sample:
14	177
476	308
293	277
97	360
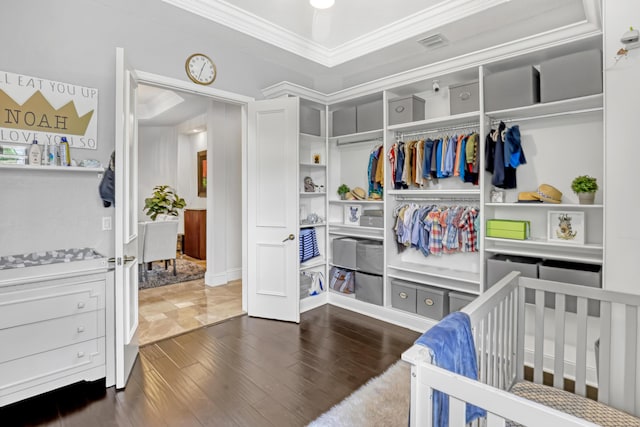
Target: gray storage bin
464	98
369	288
372	218
574	273
369	256
405	110
344	252
309	120
432	302
458	300
513	88
500	265
369	116
571	76
403	295
344	121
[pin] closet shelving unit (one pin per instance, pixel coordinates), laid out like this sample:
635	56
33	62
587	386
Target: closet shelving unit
577	122
348	160
559	140
460	272
311	146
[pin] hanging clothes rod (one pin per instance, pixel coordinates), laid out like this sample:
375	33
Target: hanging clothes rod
357	141
546	116
437	199
474	126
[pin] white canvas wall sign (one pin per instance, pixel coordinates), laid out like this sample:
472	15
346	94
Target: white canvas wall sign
46	110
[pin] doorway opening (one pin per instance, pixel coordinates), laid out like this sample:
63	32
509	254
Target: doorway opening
176	130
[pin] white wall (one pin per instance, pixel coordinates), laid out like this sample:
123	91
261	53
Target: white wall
157	165
622	111
224	191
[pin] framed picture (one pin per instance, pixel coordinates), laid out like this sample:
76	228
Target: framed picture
566	227
202	173
352	214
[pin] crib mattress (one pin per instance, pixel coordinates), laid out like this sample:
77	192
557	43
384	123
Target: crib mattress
573	404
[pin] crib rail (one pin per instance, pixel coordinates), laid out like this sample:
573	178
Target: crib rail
500	405
617	328
509	333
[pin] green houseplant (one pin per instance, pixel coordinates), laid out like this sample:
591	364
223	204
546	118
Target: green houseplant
342	190
585	187
163	201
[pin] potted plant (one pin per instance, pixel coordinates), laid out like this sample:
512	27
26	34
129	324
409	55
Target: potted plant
163	201
343	190
585	187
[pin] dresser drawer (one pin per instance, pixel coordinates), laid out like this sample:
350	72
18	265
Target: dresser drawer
63	363
19	306
21	341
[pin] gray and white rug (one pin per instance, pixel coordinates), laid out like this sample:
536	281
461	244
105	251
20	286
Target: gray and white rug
158	276
382	402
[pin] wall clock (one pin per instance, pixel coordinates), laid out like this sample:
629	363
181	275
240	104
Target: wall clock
200	69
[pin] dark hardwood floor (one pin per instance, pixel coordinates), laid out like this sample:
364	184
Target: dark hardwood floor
243	372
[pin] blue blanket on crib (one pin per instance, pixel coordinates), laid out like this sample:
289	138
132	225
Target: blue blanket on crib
451	345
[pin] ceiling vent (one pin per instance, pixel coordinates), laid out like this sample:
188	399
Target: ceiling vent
434	41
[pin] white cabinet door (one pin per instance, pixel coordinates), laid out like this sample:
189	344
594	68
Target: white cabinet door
272	178
126	221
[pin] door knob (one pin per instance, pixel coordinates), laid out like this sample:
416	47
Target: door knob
290	237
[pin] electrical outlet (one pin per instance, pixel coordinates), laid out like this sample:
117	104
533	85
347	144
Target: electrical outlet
106	223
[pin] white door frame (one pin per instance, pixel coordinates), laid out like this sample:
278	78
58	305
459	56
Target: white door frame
225	97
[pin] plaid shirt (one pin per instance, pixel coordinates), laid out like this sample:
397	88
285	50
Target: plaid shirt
433	225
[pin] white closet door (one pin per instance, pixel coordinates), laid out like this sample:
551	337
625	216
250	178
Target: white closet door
273	254
126	221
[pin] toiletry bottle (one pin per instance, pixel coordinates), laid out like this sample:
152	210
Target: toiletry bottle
65	158
53	154
34	153
45	155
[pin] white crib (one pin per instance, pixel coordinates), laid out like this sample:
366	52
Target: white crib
510	333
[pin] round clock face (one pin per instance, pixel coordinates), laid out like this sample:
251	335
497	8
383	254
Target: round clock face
200	69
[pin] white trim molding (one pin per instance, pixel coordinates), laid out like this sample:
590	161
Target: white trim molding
413	25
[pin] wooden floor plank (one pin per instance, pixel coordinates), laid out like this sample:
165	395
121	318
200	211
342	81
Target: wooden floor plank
242	372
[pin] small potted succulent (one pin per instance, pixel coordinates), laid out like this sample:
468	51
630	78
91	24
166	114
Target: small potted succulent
343	190
585	187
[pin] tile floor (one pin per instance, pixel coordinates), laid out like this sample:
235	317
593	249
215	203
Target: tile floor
174	309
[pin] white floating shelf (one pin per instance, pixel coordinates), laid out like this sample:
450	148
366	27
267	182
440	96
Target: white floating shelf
319	224
439	272
545	205
313	165
471	192
351	202
585	104
70	169
312	263
369	136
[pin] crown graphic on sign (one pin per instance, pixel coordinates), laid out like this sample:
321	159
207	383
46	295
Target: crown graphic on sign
39	115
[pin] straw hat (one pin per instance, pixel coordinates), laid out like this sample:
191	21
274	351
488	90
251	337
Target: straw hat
528	196
349	196
548	193
359	193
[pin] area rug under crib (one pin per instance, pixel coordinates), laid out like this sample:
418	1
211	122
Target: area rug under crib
383	401
158	276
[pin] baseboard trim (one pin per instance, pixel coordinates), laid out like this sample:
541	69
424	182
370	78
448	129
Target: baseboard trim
220	279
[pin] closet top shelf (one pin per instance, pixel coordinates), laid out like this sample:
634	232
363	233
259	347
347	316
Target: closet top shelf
472	118
570	106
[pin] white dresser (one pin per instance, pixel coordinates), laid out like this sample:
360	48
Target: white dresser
52	328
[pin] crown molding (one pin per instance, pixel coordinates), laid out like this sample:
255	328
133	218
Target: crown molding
581	31
240	20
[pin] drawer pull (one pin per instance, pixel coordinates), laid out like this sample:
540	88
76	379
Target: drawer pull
81	304
80	329
403	295
428	301
399	109
80	354
464	96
